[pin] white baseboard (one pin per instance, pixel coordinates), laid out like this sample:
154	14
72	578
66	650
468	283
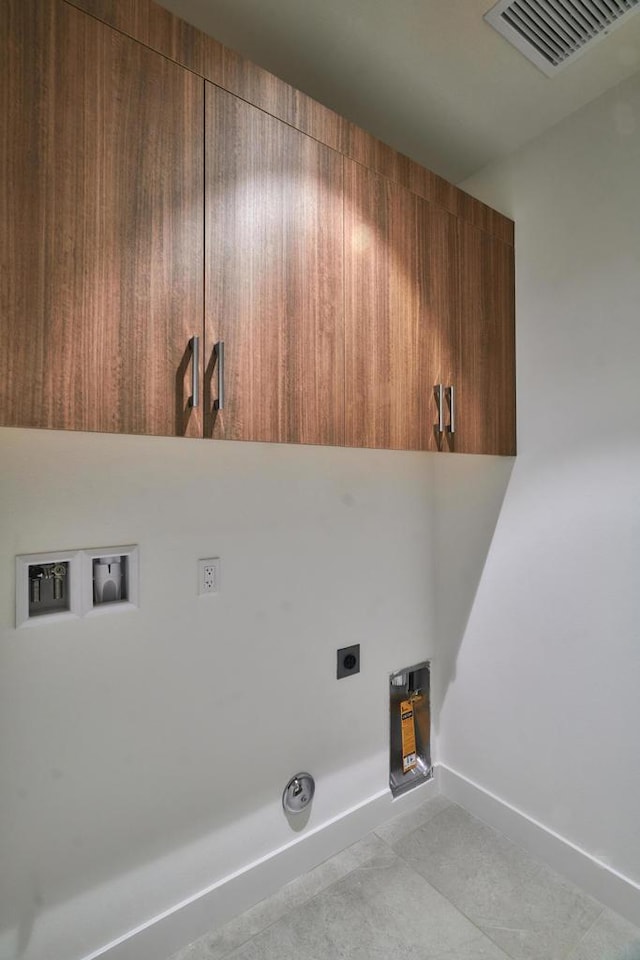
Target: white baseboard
613	889
166	933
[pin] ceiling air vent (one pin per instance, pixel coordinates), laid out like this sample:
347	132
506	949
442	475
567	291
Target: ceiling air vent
552	33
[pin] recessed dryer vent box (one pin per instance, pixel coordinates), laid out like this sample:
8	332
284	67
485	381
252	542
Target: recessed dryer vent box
111	578
410	728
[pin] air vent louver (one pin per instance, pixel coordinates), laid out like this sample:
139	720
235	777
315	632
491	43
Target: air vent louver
551	33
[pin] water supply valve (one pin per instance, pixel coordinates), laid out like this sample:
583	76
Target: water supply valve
298	793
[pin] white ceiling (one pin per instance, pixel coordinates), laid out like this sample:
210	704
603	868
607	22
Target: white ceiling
429	77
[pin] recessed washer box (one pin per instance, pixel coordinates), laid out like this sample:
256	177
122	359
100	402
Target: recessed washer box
48	587
69	584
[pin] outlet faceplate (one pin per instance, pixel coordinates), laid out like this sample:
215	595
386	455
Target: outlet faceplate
348	661
209	575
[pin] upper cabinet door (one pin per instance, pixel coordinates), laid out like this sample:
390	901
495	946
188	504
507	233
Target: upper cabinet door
400	312
484	373
101	226
273	278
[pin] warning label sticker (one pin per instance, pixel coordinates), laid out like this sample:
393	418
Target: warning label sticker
409	759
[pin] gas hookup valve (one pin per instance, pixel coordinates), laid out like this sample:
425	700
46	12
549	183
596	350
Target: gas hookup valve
298	793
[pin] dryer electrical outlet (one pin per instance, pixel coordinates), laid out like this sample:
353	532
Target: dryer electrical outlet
209	575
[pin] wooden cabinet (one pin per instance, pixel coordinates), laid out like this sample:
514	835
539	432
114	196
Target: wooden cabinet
141	204
484	366
400	311
429	300
101	226
273	277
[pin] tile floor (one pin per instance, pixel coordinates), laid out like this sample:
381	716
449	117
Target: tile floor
434	884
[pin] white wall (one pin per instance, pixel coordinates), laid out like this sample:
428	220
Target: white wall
541	691
143	755
123	740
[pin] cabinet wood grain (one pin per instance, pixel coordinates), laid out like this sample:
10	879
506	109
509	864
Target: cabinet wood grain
153	25
273	277
484	371
400	311
101	226
345	279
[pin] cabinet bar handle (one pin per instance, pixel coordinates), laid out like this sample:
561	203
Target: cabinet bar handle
194	399
220	360
439	392
452	409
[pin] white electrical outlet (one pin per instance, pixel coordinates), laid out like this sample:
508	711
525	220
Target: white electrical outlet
209	575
